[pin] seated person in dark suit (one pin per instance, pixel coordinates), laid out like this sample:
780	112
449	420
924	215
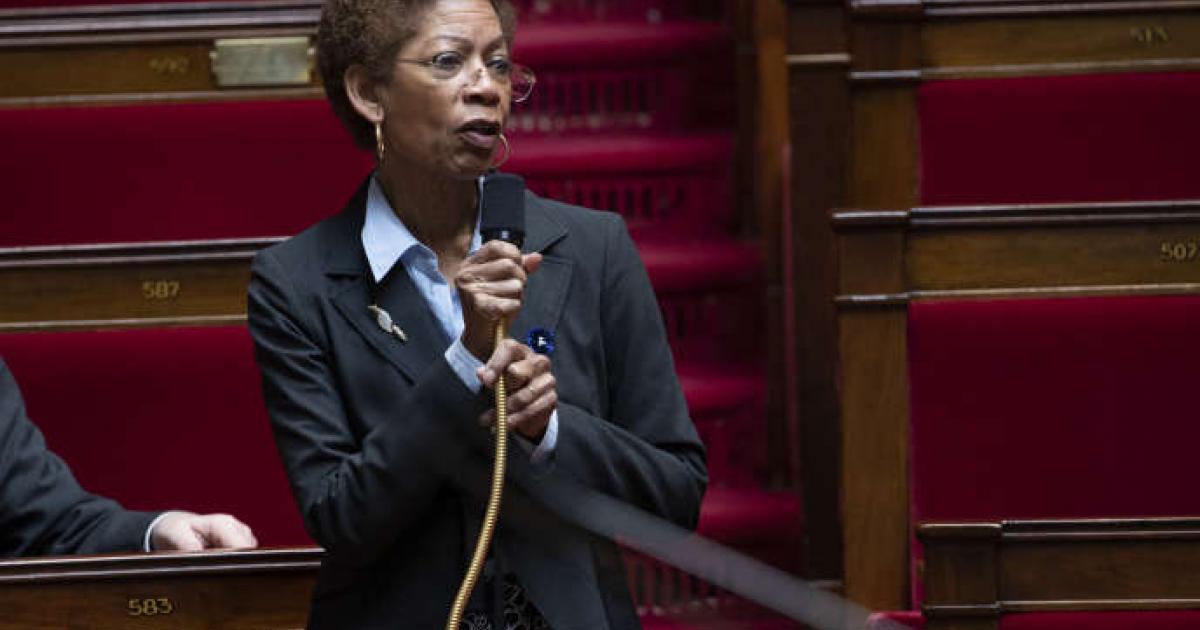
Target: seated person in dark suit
44	511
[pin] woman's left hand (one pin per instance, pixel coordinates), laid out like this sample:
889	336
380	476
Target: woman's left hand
532	393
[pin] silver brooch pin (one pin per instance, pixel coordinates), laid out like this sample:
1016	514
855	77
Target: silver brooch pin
384	319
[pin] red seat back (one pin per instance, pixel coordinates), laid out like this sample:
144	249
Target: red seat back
1054	408
1060	138
173	172
160	418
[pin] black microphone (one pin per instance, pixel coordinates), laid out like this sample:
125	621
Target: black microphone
502	208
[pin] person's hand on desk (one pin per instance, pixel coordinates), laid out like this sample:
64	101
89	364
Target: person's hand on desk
187	531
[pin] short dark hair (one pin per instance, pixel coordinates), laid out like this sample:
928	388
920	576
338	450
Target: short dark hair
370	33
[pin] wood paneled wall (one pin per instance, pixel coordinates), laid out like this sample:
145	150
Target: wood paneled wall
855	70
887	258
819	98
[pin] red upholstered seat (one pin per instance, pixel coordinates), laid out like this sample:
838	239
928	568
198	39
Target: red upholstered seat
664	186
710	298
271	168
160	418
20	4
1060	139
1078	407
727	406
651	11
173	172
1052	408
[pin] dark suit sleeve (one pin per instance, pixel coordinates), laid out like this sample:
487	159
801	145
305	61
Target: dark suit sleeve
357	496
43	510
647	452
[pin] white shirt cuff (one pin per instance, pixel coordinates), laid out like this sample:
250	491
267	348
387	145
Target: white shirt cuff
545	448
464	365
146	546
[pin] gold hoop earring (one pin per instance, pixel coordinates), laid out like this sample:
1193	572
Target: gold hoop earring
507	152
379	146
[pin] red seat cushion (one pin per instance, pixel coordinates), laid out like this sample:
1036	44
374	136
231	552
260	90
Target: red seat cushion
160	418
1060	139
173	172
1054	408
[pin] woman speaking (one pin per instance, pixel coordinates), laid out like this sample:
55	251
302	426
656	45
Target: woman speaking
374	334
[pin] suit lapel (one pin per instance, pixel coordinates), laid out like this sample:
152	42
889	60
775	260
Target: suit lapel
546	293
346	266
425	341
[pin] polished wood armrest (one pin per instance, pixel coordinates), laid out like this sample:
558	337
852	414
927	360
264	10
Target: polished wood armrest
252	589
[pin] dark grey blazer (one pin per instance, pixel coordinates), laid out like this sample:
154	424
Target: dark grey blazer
43	511
381	440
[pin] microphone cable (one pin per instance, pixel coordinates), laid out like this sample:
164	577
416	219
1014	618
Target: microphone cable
492	514
501	217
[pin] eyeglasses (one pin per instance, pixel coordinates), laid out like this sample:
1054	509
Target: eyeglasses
446	66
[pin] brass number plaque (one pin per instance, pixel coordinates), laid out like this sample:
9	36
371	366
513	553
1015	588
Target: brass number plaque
1179	251
262	61
160	289
169	65
1149	35
150	606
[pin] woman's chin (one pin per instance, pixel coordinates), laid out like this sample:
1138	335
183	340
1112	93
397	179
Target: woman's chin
471	166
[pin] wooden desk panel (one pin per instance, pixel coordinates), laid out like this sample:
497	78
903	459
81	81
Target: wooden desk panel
227	590
153	284
1054	44
1112	257
997	251
974	572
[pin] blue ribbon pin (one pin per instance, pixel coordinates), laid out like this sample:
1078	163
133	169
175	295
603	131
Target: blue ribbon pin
540	340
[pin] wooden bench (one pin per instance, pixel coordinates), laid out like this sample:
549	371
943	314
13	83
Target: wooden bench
900	106
897	267
239	590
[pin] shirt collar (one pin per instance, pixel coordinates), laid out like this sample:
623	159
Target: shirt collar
386	239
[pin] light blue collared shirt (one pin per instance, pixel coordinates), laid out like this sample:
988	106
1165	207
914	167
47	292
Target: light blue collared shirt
386	241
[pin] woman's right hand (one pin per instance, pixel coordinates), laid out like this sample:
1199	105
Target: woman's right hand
491	283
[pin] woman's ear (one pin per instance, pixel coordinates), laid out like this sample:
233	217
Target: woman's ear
361	90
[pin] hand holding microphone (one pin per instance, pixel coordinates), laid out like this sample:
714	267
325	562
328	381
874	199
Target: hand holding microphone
533	391
491	284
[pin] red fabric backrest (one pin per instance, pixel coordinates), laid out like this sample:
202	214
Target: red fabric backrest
1074	620
173	172
272	168
21	4
1107	620
160	418
1079	407
1060	139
